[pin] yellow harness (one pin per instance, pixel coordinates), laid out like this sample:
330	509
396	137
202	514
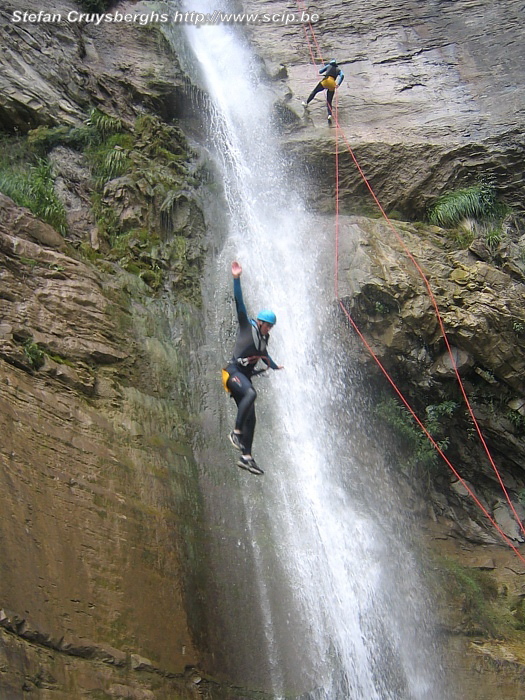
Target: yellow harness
329	83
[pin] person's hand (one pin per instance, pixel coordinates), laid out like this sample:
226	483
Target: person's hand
236	269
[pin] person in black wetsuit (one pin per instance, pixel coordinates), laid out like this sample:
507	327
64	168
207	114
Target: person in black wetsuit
250	347
333	77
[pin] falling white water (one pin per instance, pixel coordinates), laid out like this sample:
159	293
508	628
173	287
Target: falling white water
315	573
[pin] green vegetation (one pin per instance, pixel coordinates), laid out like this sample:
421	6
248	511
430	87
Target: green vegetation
34	354
109	158
27	179
381	308
422	455
149	163
478	202
493	237
104	125
43	201
485	611
42	139
139	178
136	252
518	327
471	210
462	237
517	420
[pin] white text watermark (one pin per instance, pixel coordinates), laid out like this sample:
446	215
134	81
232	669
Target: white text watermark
143	18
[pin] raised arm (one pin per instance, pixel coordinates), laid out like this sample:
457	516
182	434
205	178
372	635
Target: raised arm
242	314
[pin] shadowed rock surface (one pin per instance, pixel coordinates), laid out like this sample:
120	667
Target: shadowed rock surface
96	472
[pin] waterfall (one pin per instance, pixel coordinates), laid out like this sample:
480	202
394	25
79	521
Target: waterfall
311	589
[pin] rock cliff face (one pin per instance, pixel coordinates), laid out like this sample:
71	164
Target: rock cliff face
55	72
96	474
430	100
98	484
100	582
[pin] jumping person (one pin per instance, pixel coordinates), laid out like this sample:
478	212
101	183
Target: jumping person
333	77
250	347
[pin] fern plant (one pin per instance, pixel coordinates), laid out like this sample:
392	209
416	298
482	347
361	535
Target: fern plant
493	237
34	189
478	202
104	124
44	202
16	186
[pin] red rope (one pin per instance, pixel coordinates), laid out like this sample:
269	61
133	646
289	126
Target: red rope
301	6
429	436
441	325
445	337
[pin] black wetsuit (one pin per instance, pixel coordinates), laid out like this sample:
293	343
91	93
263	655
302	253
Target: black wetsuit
250	347
328	71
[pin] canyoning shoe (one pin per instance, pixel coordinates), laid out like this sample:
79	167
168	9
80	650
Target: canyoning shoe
236	440
249	464
329	118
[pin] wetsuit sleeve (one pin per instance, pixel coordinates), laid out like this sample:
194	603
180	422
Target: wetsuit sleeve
340	77
323	69
242	314
269	362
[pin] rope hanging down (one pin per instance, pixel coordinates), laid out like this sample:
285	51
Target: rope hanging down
338	132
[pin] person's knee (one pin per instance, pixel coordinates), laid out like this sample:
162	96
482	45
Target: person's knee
251	394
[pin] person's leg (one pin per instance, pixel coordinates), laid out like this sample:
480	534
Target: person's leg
244	395
329	97
317	88
248	431
246	460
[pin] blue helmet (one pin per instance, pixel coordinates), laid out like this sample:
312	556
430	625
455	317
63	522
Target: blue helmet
333	62
267	316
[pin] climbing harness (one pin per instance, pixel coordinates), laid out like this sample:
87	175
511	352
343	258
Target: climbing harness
338	133
329	83
225	375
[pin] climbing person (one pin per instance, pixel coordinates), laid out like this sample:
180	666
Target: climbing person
250	347
333	77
